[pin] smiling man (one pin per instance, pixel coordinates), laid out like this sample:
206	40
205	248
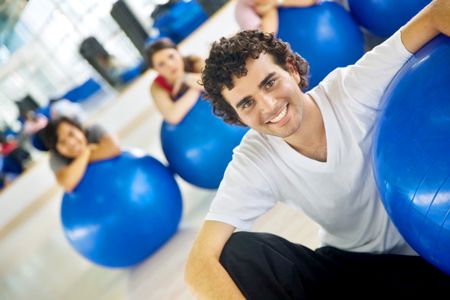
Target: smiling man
312	151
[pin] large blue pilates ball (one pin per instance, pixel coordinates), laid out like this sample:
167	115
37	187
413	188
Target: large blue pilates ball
324	34
201	146
122	211
384	17
412	152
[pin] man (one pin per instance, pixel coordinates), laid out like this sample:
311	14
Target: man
311	151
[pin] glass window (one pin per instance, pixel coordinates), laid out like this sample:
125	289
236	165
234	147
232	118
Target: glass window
36	14
42	55
57	28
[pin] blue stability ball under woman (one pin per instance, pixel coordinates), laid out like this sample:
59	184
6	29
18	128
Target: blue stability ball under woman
412	152
122	211
325	35
384	17
201	146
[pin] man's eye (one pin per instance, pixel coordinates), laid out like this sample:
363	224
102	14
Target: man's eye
270	83
247	104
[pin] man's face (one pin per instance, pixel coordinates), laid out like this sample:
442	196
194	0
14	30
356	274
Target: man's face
268	99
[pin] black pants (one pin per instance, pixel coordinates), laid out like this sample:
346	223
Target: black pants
265	266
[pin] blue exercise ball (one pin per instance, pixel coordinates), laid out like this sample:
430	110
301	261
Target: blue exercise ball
324	34
411	152
200	147
384	17
122	211
37	141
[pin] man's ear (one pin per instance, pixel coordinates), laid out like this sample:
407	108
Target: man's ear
292	69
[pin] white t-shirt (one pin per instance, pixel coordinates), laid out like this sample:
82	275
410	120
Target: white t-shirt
339	194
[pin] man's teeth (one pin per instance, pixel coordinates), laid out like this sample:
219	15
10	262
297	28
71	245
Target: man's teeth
280	116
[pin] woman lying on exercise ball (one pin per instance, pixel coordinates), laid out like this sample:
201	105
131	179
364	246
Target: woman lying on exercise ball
73	147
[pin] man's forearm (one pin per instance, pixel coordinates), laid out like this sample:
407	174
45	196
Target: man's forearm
209	280
432	20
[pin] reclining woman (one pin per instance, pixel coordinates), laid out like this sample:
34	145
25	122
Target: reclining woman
73	147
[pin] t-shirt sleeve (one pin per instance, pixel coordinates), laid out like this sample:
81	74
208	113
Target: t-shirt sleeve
244	193
95	133
56	162
365	82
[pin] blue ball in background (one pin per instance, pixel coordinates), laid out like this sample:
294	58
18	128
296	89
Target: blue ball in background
384	17
412	152
37	141
324	34
200	147
122	211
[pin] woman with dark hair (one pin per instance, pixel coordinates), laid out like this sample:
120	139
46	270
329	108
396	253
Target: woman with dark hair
176	89
73	147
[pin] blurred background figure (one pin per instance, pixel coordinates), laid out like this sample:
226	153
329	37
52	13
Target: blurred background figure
14	158
73	147
34	122
263	14
176	89
112	66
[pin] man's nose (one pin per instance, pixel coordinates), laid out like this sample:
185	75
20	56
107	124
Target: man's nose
267	103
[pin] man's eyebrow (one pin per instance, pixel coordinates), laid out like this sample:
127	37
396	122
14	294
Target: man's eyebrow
265	80
243	101
260	86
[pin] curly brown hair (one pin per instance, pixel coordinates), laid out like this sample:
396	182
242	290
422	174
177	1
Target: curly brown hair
227	59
